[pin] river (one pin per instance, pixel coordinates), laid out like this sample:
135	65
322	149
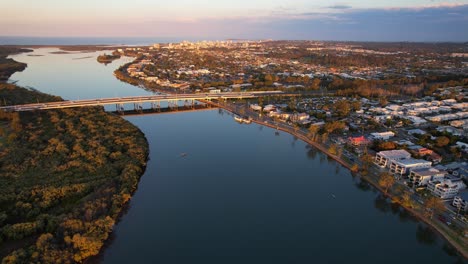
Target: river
242	193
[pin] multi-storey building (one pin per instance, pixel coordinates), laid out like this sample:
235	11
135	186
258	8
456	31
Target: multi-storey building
403	166
420	177
385	158
446	188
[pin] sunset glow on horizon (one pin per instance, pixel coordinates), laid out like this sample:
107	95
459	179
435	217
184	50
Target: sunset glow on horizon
276	19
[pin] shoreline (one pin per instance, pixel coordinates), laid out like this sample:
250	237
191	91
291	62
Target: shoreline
125	206
74	48
462	250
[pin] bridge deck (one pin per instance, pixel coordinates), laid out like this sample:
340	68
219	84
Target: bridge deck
138	99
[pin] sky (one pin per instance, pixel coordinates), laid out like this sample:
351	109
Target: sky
356	20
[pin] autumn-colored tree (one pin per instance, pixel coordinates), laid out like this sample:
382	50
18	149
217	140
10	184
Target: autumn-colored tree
333	149
434	204
406	200
383	101
442	141
386	181
334	126
315	84
366	160
342	108
387	145
313	130
356	105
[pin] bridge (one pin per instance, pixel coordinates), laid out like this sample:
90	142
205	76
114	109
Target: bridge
155	100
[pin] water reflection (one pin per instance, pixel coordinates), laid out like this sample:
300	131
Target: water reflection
311	152
406	216
425	235
257	199
363	185
382	203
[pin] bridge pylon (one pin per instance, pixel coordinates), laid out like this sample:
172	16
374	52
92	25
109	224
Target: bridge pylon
138	107
156	106
119	107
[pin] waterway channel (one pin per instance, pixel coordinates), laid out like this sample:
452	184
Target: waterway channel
216	191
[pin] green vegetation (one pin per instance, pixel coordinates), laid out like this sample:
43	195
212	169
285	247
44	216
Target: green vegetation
65	176
10	66
104	58
386	181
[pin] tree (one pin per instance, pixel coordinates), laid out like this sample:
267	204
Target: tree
386	145
333	149
442	141
356	105
366	160
383	101
313	130
331	127
315	84
296	127
386	181
406	200
434	204
342	108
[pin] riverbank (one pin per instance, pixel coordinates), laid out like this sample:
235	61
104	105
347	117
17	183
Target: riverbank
447	234
8	66
67	177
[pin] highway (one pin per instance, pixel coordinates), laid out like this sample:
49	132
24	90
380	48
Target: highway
138	99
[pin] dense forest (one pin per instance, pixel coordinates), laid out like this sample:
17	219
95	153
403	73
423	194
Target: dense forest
65	176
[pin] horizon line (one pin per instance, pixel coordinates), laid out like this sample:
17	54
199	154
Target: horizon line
217	39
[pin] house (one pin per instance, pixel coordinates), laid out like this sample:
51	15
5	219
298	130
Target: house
384	158
461	201
269	108
420	151
255	107
463	146
383	135
297	117
416	131
446	188
403	166
420	177
450	130
435	158
358	141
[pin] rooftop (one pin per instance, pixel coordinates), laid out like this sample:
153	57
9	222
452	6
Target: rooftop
428	172
395	154
412	161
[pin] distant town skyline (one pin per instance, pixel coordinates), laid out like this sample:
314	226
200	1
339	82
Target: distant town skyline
416	20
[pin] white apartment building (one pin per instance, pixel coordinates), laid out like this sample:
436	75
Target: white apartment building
461	201
383	135
420	177
403	166
385	158
446	188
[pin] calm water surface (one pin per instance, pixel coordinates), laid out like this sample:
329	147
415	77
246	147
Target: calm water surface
242	194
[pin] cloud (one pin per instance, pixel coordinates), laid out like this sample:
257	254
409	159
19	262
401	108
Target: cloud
340	7
429	6
435	23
